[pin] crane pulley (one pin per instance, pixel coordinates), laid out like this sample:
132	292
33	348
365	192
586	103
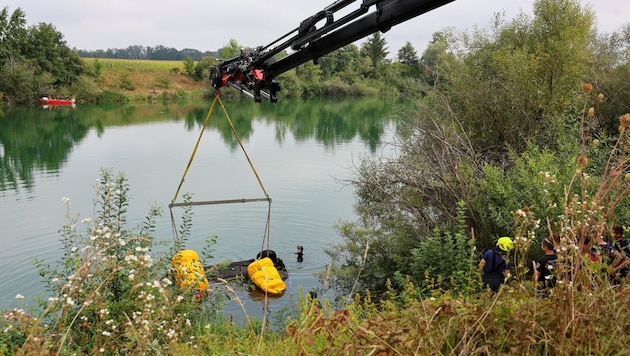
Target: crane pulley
256	70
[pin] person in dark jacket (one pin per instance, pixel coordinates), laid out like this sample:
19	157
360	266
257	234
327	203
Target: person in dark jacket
544	266
494	266
621	264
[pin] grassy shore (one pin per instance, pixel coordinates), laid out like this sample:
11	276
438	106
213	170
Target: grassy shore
141	79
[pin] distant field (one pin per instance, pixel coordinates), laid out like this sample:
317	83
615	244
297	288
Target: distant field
146	76
137	64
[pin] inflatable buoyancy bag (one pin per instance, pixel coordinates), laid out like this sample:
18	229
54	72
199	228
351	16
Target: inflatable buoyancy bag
266	276
188	270
184	256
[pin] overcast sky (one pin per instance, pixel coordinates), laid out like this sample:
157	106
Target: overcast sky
209	25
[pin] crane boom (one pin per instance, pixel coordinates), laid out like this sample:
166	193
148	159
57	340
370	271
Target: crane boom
257	69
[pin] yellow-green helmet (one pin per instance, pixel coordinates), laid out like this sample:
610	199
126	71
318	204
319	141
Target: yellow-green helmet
505	244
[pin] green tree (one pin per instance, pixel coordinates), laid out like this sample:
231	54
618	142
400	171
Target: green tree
13	35
614	59
436	59
202	68
407	55
311	76
375	49
189	66
553	48
96	69
408	61
232	49
18	84
342	62
46	46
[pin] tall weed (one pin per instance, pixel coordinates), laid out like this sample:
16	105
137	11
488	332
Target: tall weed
110	292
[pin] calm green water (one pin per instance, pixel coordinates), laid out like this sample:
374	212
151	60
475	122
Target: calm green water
302	151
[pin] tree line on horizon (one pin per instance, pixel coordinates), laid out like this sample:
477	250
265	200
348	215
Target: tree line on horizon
159	53
36	60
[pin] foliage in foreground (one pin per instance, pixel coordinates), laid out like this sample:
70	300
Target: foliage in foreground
111	294
495	139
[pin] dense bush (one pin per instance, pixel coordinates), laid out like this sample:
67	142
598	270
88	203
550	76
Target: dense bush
446	261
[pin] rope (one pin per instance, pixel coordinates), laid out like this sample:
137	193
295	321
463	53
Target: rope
192	156
217	98
268	223
242	147
266	235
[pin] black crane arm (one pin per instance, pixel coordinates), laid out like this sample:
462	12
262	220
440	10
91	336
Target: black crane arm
257	70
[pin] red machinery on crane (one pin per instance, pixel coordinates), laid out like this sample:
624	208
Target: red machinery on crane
257	69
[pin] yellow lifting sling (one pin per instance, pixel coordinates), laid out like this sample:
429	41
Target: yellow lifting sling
174	202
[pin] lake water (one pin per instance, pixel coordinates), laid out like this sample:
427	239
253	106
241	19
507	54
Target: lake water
302	151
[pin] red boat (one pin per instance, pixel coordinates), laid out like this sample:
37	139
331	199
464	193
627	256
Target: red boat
44	100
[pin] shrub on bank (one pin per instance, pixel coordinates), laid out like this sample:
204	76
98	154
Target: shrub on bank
110	97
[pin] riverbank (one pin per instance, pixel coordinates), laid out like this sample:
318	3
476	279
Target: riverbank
141	80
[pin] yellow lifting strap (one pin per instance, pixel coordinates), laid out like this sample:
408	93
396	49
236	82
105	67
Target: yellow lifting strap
216	99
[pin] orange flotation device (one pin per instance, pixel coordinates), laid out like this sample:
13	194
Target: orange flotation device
266	276
189	271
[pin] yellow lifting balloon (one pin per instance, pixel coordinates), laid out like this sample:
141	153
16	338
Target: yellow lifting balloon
188	270
266	276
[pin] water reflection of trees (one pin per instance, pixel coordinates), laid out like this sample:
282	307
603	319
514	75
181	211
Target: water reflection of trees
328	121
33	140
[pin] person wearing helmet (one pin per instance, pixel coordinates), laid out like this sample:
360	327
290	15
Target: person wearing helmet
494	266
